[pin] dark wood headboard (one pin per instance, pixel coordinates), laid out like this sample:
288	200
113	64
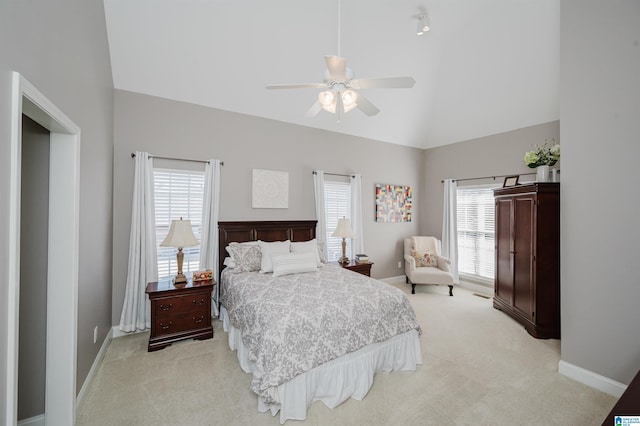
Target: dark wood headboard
276	230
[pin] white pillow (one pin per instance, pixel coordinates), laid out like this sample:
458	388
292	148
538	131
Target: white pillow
293	263
276	247
307	247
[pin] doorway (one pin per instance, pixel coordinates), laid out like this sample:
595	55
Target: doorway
62	248
34	223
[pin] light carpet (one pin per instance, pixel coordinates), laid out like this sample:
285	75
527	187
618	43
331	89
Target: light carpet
480	368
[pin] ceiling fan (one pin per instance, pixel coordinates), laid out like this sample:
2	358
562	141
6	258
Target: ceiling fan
340	94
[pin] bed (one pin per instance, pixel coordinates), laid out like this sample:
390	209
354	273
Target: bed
316	335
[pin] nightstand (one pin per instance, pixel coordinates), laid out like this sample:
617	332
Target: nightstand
361	268
179	313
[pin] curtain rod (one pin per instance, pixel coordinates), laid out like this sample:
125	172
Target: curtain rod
133	154
491	177
333	174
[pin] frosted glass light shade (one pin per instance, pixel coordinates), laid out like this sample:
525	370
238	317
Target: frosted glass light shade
343	230
423	24
180	235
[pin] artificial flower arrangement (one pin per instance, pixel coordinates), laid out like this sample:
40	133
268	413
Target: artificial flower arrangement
543	155
203	275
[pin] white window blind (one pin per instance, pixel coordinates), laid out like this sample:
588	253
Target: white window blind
337	201
476	231
178	194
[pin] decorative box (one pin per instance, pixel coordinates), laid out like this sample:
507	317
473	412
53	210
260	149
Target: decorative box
203	275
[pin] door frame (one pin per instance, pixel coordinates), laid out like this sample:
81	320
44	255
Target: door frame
63	256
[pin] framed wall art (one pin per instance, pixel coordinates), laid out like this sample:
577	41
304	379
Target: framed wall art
393	203
270	189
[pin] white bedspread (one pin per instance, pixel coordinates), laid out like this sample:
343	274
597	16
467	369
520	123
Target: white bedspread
287	329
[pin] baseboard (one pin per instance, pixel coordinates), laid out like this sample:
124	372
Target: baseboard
94	368
393	280
589	378
477	288
32	421
116	332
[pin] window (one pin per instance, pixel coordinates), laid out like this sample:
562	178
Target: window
476	231
178	194
337	201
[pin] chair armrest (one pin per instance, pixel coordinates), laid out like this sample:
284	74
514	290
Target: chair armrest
444	264
409	262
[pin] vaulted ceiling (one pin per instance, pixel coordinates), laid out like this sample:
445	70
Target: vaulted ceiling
485	67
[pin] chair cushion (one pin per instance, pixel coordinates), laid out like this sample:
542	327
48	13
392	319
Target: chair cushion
431	275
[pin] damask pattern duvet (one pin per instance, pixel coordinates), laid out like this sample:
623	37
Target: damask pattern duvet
293	323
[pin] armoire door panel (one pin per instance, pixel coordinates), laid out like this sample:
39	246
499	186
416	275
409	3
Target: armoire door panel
504	258
523	258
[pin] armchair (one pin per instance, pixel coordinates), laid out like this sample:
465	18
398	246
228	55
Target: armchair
416	273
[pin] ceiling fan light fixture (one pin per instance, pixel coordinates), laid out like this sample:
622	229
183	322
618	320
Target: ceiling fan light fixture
326	98
349	100
327	101
423	24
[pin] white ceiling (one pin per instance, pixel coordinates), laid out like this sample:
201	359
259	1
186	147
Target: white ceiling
486	66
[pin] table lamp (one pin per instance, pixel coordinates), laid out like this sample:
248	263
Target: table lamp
343	230
180	235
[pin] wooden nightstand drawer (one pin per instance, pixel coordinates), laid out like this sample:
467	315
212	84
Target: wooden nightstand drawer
181	322
167	306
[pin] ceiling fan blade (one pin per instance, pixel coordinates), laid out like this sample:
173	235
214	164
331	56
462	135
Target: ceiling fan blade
314	110
367	107
297	86
380	83
337	67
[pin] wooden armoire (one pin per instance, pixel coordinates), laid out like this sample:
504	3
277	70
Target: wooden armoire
527	276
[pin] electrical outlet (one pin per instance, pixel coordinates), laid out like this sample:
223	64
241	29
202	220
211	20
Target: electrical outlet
399	264
95	334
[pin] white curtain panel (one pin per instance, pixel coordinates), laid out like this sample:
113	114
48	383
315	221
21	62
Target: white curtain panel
143	262
357	244
449	227
321	215
210	215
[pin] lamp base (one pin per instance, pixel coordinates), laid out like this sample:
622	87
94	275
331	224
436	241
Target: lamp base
180	279
344	260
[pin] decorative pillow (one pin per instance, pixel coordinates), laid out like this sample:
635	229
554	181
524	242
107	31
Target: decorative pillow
294	263
430	259
228	261
307	247
425	259
246	243
268	249
246	257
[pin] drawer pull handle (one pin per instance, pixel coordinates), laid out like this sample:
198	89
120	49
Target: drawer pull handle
166	308
198	320
166	327
202	301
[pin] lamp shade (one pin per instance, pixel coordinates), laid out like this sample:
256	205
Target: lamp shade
180	235
343	230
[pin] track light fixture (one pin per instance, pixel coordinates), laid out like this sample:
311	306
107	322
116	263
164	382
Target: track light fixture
423	24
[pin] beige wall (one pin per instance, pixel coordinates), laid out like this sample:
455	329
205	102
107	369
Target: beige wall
600	111
61	48
500	154
175	129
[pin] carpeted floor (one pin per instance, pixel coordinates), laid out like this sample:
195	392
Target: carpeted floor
480	368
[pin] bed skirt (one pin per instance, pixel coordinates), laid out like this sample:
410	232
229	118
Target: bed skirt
335	381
